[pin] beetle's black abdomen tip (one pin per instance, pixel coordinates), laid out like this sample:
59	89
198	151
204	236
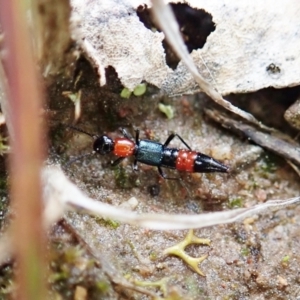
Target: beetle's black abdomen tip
216	166
223	168
207	164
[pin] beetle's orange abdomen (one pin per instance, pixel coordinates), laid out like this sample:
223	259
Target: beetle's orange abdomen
185	160
123	147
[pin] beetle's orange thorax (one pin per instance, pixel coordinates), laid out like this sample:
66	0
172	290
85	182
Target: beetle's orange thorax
123	147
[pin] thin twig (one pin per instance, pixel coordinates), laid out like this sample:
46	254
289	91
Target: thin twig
61	190
281	145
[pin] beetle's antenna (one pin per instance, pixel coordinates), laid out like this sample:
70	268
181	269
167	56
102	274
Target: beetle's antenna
82	131
78	157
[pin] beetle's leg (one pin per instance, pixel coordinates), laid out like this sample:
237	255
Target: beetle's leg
125	133
117	161
72	160
164	176
137	141
137	137
172	136
135	167
80	130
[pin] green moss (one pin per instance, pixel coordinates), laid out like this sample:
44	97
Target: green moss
245	251
113	224
140	89
255	184
74	97
286	259
57	138
107	222
193	287
70	266
72	254
102	286
4	147
153	255
6	282
270	163
125	93
137	183
4	201
3	184
59	276
236	202
121	178
168	110
131	245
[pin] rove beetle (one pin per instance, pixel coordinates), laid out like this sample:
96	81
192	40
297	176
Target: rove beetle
155	154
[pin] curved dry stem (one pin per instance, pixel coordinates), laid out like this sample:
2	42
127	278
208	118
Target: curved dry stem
169	26
61	194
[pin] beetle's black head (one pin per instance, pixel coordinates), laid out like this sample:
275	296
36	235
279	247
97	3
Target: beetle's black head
103	145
